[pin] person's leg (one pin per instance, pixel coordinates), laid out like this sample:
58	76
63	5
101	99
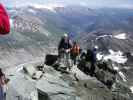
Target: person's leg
75	60
72	59
92	69
62	57
1	93
68	60
4	96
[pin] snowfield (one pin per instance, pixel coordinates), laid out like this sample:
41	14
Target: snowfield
116	68
99	56
121	36
114	56
102	36
122	76
50	7
131	89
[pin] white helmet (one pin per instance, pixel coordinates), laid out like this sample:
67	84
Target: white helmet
65	35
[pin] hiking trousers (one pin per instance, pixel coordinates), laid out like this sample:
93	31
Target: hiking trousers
2	95
66	59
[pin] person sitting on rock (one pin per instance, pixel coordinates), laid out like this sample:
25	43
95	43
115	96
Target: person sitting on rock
86	63
89	62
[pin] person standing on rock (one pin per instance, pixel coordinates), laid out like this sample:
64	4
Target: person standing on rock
64	49
75	51
2	85
93	59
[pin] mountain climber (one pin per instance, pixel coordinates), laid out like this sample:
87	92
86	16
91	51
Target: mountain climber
75	51
87	62
91	56
4	21
64	49
2	85
82	55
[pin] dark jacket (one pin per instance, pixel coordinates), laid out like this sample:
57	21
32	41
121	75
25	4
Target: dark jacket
91	56
64	44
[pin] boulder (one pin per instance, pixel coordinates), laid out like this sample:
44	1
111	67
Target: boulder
84	66
21	89
37	75
54	85
54	88
50	59
100	75
120	91
29	70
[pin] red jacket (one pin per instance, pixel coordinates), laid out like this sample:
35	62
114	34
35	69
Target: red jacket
4	21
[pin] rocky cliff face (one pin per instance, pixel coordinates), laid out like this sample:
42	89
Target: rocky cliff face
40	82
55	86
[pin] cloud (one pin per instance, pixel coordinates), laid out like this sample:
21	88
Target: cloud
90	3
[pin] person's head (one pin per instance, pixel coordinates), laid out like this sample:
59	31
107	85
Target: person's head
65	35
95	48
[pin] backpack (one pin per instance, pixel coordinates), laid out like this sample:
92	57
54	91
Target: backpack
75	49
4	21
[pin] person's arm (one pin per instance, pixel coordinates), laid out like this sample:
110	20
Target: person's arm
3	79
60	46
70	43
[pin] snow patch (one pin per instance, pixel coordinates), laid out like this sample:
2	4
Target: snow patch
131	54
121	36
131	88
32	11
116	57
122	76
99	56
102	36
127	67
50	7
115	53
116	68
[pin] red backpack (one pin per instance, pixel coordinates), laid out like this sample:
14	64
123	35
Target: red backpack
4	21
75	49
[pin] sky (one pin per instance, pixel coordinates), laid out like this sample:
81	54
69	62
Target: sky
89	3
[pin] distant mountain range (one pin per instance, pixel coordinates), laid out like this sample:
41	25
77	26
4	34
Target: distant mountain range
37	29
